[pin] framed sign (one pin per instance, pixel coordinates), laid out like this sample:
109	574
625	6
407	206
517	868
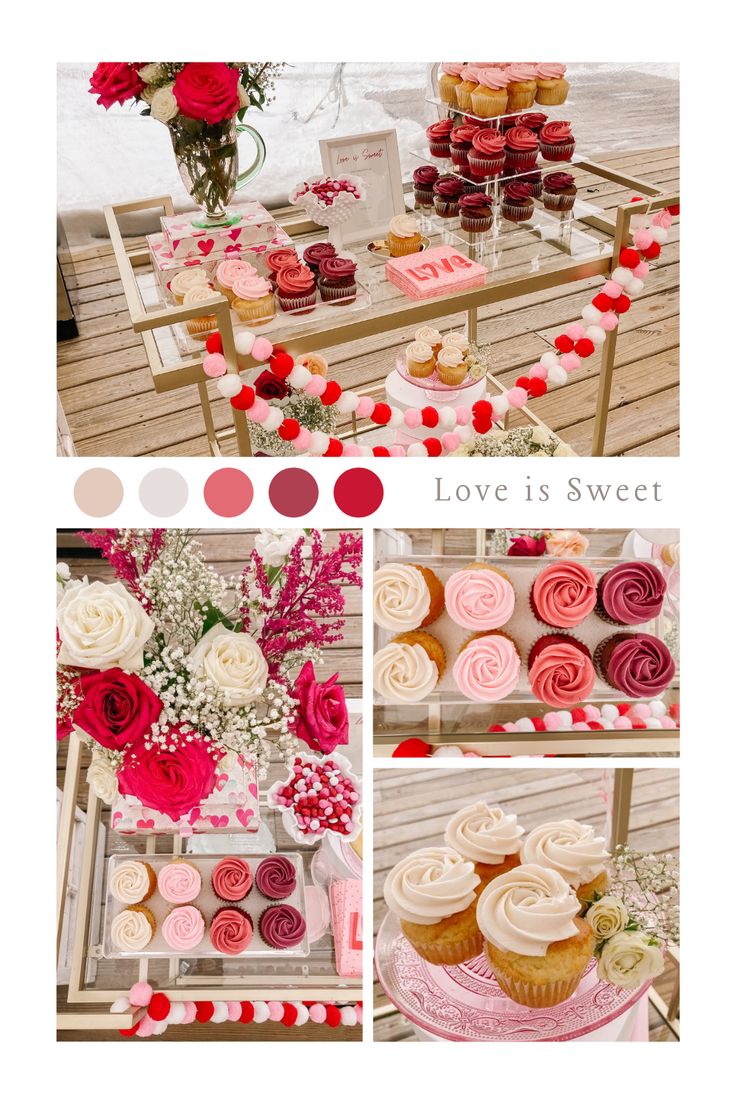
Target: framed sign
375	158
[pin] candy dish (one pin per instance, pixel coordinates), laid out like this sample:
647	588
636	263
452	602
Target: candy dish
321	820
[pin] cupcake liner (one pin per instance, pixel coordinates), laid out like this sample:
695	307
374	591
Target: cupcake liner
485	166
556	152
489	105
459	155
520	161
464	99
298	304
204	325
475	225
515	213
442	953
536	995
452	377
521	101
446	208
440	149
402	247
338	295
552	96
554	202
423	197
256	312
598	663
420	370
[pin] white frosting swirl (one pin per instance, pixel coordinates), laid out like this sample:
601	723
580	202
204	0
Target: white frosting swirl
130	882
526	909
484	834
430	885
570	848
401	597
130	930
404	672
404	226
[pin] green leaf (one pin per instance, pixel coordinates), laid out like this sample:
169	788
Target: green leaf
212	616
146	111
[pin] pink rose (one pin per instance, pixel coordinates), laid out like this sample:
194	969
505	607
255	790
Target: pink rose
116	708
566	542
322	717
526	546
172	782
115	82
207	90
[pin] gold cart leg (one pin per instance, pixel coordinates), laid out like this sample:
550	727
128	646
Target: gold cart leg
66	828
242	433
473	325
81	930
603	401
209	424
623	779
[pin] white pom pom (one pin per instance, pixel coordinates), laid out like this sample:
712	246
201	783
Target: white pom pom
176	1012
160	1027
525	724
549	360
260	1012
556	376
274	418
365	450
659	234
636	286
500	405
320	443
302	1015
244	342
465	432
417	449
658	708
609	711
607	724
120	1005
637	221
447	753
299	376
591	314
229	385
397	418
219	1014
621	276
653	722
348	402
596	334
565	717
448	417
348	1016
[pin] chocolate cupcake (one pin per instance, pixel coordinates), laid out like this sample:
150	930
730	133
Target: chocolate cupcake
534	120
447	192
559	191
276	877
424	179
476	213
556	142
534	180
231	930
232	879
461	140
631	594
636	664
336	281
282	926
438	136
522	146
518	204
561	671
563	594
313	255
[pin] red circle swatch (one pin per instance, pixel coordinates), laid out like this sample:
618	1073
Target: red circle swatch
228	492
293	492
358	492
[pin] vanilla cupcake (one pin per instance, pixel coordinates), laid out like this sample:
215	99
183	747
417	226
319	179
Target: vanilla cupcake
433	893
133	929
480	597
404	236
430	336
227	272
455	340
572	850
205	323
184	281
406	596
253	299
179	882
408	669
132	881
451	366
420	359
486	836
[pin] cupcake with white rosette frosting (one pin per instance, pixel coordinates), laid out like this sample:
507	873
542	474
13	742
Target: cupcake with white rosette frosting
574	851
488	837
406	596
537	945
132	929
408	668
132	881
433	893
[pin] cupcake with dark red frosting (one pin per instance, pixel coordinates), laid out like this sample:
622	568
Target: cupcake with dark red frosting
476	212
563	594
296	289
461	139
534	180
447	192
486	154
313	255
424	179
276	877
232	879
518	204
522	146
556	141
534	120
231	930
631	593
561	671
636	664
559	191
438	136
336	280
282	926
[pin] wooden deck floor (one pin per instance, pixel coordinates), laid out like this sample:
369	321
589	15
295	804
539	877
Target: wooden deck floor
411	808
112	410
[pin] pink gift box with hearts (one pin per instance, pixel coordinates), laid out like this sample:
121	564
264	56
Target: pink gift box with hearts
185	240
231	807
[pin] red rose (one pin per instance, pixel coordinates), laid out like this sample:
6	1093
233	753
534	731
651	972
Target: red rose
269	386
527	546
322	716
116	708
207	90
115	82
172	782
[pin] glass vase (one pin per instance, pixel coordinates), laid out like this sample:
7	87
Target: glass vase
207	160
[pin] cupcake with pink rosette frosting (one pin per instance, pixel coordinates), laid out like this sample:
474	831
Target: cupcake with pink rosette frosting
522	146
227	273
563	594
561	671
490	98
522	85
231	930
637	664
449	80
183	928
486	153
296	289
179	882
631	593
552	88
488	667
253	300
479	598
556	142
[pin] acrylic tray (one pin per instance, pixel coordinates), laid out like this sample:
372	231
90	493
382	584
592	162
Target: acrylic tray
523	625
254	904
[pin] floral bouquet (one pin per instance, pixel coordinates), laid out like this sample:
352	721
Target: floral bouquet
308	410
171	667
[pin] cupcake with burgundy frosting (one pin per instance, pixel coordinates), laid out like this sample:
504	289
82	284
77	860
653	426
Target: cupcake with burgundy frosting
561	671
232	879
282	926
424	179
438	136
636	664
518	204
559	191
313	255
556	142
486	153
476	212
488	667
461	140
631	593
447	192
336	281
479	598
231	930
534	120
296	288
276	877
521	146
563	594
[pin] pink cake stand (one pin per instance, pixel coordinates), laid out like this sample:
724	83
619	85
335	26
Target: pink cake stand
464	1003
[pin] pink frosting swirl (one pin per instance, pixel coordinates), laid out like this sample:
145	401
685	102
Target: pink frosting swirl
179	882
232	879
521	138
440	132
231	931
488	140
561	672
453	68
251	286
228	271
183	928
296	280
550	70
495	79
557	133
487	668
463	135
478	598
521	71
281	258
563	594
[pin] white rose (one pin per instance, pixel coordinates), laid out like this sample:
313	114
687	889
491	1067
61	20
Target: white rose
563	450
150	73
102	779
243	96
163	104
629	959
101	625
607	917
540	436
274	545
233	663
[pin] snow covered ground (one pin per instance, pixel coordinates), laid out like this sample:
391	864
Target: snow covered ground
107	157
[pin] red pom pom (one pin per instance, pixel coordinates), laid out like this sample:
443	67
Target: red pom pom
577	715
333	1016
652	251
411	749
331	393
381	413
380	450
290	1014
536	388
433	446
430	417
603	302
622	304
637	722
674	209
289	429
205	1011
539	725
128	1031
281	364
159	1006
629	258
496	728
244	399
481	425
564	344
247	1011
213	344
523	382
636	199
334	448
595	726
483	408
584	347
623	708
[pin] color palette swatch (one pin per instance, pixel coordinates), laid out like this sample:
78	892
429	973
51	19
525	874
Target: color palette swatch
228	492
98	492
293	492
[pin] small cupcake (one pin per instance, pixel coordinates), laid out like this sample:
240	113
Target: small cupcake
406	596
336	281
559	191
488	667
430	336
404	236
536	944
461	140
456	340
276	878
424	179
561	671
231	930
227	273
253	300
232	879
487	837
491	96
476	212
534	120
203	325
534	181
451	366
438	136
183	929
573	851
556	142
408	669
420	359
449	80
132	881
282	926
464	91
522	86
631	593
133	928
479	598
447	192
296	289
552	88
486	154
433	892
518	204
563	594
283	257
521	149
313	255
636	664
179	882
184	281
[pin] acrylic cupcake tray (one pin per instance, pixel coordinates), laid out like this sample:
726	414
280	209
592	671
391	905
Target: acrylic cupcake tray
523	626
254	904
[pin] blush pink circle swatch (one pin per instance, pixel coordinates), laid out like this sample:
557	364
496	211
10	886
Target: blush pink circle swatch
228	492
293	492
98	492
358	492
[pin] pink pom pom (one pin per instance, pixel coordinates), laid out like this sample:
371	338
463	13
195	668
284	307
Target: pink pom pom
643	239
667	722
262	349
641	271
396	450
316	386
612	289
641	709
140	994
609	321
276	1011
663	219
303	440
318	1013
145	1027
517	397
580	726
190	1012
351	450
365	407
622	723
412	418
510	726
570	361
466	755
214	365
259	411
234	1010
575	331
462	415
450	442
538	371
592	712
551	721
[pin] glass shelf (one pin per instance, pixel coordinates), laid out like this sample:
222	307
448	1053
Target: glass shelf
545	109
446	166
